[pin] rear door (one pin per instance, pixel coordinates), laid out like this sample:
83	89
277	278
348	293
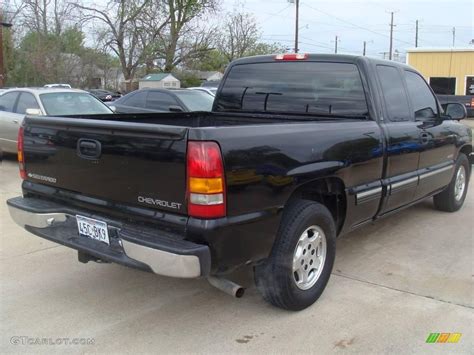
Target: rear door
125	163
402	134
161	101
9	121
437	137
133	103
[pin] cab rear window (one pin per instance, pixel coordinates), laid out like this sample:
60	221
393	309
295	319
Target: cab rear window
294	87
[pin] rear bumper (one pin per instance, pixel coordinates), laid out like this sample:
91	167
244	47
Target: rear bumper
131	245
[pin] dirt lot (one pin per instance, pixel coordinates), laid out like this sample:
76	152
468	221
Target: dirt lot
394	282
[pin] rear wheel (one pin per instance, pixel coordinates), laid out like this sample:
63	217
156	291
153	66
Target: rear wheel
300	264
452	198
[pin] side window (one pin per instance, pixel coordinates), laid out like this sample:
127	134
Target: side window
423	101
26	101
160	101
7	101
136	100
394	93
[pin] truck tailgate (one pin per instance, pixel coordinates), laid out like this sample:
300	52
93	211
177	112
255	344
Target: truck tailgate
131	163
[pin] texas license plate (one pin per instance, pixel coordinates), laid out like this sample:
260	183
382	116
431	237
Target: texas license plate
92	228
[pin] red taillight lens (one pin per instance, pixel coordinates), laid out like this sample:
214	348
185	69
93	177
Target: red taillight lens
205	180
291	56
21	153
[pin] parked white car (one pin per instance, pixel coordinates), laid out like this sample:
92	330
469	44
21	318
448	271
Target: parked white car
16	103
58	86
209	90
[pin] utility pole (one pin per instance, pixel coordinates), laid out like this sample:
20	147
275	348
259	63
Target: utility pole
2	67
297	20
365	47
454	36
335	45
391	36
416	34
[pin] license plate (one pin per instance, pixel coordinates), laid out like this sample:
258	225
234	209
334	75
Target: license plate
93	228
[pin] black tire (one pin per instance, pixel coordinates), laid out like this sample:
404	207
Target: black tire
446	200
274	277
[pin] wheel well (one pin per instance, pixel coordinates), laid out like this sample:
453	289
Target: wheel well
467	149
330	192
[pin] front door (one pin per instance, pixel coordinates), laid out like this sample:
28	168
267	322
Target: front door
437	137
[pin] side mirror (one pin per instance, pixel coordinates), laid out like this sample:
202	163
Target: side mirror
34	112
175	109
455	111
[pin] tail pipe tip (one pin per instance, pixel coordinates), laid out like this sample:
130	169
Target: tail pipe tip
227	286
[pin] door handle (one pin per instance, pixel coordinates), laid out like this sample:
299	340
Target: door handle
15	121
89	149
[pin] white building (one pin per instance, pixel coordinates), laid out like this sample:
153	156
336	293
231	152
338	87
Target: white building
159	81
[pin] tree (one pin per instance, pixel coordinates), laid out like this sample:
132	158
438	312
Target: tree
185	37
212	60
131	28
46	16
239	35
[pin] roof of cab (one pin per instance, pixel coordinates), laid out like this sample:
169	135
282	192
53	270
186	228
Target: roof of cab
344	58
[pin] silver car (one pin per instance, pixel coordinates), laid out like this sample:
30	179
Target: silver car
16	103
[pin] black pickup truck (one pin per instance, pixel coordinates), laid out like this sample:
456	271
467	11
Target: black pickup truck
297	150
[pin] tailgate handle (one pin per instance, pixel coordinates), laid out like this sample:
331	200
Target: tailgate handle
89	148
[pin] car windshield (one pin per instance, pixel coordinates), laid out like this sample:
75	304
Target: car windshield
196	100
72	103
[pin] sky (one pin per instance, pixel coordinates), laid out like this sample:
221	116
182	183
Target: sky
357	21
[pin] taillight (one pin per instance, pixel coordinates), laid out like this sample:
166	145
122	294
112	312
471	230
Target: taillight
205	179
291	56
21	153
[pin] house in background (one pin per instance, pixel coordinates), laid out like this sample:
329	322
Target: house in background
159	81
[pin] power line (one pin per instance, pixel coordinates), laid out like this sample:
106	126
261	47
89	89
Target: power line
356	26
275	14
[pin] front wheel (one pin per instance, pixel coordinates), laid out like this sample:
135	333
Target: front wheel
452	197
298	269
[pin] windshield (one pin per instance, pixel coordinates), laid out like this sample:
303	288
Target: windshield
196	100
72	103
294	87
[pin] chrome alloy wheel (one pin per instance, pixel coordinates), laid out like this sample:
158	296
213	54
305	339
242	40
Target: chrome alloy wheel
460	183
309	257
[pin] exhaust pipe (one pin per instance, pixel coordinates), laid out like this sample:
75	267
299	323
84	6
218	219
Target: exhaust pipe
227	286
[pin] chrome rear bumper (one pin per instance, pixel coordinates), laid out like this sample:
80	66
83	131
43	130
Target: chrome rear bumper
155	251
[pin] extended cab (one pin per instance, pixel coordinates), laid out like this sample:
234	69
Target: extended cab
297	150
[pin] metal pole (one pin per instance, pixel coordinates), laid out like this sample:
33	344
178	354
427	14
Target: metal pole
416	34
2	69
454	36
365	47
335	46
391	37
297	24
